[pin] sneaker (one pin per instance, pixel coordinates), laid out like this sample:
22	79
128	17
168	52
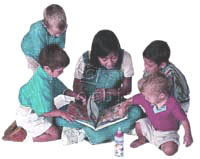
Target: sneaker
72	135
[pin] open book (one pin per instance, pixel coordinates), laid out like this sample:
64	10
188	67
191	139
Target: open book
90	115
98	120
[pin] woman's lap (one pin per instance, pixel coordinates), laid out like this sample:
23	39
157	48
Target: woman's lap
105	134
102	135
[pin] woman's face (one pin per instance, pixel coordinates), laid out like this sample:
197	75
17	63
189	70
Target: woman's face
109	61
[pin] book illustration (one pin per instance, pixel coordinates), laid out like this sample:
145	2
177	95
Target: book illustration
78	111
75	108
98	120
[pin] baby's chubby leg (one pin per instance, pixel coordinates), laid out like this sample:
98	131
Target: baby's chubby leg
141	139
169	148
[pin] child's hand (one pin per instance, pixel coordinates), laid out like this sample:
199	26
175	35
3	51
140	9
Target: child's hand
124	105
188	140
67	116
121	111
59	113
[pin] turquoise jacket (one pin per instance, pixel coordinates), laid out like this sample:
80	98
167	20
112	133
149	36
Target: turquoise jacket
37	38
39	92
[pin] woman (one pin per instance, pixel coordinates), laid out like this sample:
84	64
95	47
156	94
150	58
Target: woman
105	72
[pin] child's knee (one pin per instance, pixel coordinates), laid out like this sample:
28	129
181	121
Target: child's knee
169	148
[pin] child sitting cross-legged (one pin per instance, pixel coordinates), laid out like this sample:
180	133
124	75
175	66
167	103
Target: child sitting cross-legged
163	115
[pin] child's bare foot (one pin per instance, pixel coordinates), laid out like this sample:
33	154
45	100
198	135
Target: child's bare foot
138	142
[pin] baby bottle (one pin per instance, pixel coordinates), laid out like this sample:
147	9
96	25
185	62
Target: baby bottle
119	143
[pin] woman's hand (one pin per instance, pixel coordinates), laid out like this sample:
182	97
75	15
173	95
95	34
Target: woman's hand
82	97
100	94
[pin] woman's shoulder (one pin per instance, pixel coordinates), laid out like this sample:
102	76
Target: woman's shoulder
85	57
86	53
127	65
126	57
126	54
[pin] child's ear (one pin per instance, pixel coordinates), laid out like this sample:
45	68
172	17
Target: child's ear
163	64
162	96
47	69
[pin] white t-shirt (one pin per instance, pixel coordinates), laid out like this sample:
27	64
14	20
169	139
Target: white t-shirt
126	67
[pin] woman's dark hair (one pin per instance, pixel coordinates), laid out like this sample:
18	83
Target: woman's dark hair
54	57
157	51
105	42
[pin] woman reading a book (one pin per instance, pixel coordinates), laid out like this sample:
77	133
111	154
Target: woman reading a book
105	73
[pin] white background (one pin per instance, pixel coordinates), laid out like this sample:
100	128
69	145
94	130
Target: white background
136	23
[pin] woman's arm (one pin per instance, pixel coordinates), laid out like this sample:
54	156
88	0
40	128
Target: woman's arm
101	93
125	89
77	86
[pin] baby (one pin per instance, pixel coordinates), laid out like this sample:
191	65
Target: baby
163	115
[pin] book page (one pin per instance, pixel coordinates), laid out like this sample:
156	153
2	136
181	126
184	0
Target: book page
111	115
93	110
108	117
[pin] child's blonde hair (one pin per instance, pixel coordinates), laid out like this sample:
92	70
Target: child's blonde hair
158	83
55	13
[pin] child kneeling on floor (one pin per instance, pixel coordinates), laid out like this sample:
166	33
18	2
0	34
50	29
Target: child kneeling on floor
37	96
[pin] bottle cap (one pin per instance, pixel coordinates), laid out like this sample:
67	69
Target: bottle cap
119	133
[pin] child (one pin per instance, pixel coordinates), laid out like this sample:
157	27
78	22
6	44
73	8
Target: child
105	72
163	115
36	97
156	58
47	31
